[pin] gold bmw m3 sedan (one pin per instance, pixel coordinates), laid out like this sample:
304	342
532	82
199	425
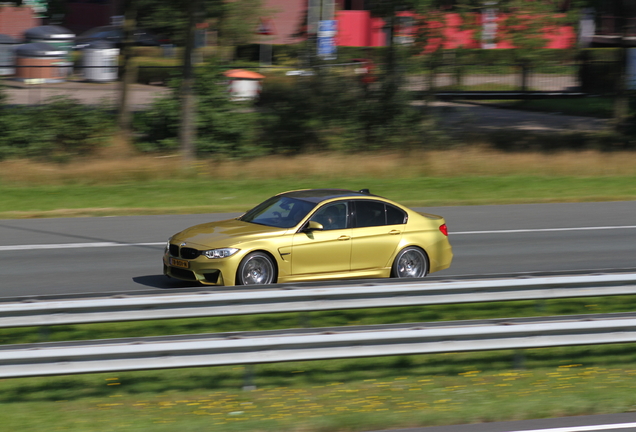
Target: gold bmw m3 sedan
311	235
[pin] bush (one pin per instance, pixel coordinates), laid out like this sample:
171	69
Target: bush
223	127
156	74
334	110
293	54
65	128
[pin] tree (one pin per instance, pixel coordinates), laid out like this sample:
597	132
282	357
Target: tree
177	19
234	20
222	128
237	22
124	116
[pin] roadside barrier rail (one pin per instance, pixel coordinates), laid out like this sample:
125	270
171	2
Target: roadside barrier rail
32	312
246	348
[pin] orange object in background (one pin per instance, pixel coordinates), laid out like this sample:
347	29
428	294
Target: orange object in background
243	84
243	74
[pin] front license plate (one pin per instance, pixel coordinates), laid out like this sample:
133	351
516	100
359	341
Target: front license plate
179	263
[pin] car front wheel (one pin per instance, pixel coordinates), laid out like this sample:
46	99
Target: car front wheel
411	262
256	268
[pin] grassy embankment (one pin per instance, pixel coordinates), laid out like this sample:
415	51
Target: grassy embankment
148	185
351	395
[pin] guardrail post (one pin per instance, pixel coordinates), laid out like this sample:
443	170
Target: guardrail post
519	361
44	333
304	320
539	306
248	378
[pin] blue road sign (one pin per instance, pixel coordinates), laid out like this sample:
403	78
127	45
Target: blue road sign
327	28
327	39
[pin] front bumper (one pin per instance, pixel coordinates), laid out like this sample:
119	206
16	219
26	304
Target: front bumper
203	270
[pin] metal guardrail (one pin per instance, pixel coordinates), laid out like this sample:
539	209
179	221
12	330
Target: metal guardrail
31	312
329	343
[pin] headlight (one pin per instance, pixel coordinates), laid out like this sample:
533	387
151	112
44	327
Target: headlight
219	253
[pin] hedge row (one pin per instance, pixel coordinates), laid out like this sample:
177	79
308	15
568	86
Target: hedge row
330	111
59	129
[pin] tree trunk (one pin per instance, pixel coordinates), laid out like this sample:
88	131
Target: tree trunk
621	100
391	78
128	72
187	131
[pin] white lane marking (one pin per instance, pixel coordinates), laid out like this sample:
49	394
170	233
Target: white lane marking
115	244
543	230
583	428
74	246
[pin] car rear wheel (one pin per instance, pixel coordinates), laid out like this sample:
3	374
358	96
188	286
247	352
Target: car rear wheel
411	262
256	268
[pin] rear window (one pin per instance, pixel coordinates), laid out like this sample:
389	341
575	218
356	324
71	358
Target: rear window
376	213
394	215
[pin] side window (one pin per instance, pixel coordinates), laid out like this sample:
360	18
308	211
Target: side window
332	216
369	213
394	215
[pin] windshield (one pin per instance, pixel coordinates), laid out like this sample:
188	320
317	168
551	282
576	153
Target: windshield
281	212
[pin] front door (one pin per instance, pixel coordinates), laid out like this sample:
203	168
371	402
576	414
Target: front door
327	250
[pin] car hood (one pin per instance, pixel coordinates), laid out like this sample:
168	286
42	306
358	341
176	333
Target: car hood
224	233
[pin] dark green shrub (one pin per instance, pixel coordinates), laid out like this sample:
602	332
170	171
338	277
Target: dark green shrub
223	127
59	129
334	110
156	74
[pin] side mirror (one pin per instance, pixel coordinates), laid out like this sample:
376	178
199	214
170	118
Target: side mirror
314	226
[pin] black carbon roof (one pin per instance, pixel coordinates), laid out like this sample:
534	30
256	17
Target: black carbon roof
318	195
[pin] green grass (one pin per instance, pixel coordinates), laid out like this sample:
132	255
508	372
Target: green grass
352	396
205	195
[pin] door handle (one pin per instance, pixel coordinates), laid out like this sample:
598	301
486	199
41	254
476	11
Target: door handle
394	232
344	237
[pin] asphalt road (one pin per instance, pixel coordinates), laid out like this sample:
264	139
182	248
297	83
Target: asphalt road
120	254
625	422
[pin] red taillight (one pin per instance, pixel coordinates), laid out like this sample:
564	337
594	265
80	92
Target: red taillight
444	229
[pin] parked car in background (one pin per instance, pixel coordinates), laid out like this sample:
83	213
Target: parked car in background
115	34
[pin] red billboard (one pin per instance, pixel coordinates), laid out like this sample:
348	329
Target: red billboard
451	31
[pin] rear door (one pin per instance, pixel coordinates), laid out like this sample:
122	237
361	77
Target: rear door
376	233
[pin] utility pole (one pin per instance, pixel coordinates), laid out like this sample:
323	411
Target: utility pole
313	16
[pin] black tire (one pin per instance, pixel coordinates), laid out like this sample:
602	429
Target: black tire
410	262
257	268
